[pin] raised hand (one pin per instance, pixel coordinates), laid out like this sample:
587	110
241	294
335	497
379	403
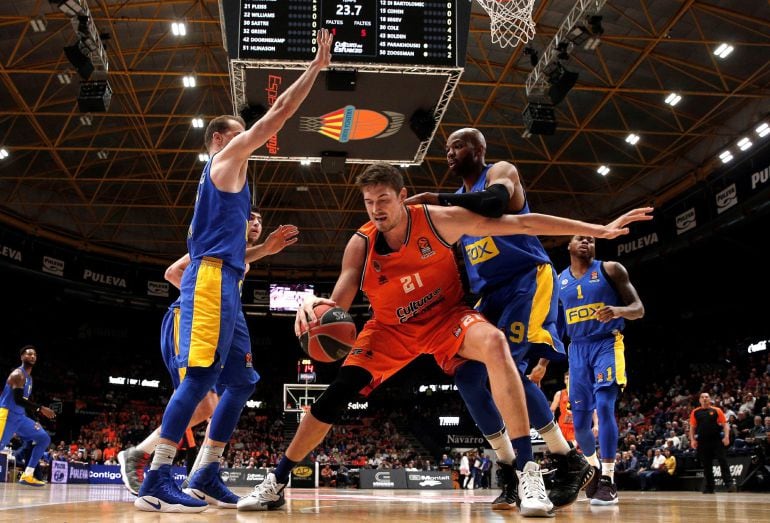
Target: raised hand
617	227
323	55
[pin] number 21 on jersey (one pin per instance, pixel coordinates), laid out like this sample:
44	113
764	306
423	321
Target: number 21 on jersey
411	282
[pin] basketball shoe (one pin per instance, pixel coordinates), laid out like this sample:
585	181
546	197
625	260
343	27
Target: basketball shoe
159	493
534	500
606	493
268	495
593	483
30	481
509	497
573	473
132	463
206	484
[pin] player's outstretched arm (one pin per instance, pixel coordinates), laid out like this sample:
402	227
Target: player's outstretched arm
231	159
276	241
453	222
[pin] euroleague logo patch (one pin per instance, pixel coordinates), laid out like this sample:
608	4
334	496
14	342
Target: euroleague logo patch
249	365
426	251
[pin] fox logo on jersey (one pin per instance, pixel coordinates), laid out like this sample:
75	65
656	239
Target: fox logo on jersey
481	250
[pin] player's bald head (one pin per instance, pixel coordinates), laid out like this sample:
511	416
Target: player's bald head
471	135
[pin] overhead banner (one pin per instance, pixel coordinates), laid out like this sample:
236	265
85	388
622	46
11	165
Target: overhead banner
696	212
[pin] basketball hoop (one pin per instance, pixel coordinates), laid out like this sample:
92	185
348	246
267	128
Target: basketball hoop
510	21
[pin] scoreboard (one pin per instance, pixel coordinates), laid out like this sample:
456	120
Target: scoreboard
410	32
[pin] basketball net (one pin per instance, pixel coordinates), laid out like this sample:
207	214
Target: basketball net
510	21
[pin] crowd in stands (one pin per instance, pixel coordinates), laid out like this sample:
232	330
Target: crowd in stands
98	420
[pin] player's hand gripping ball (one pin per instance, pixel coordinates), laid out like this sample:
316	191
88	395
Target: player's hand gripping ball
331	336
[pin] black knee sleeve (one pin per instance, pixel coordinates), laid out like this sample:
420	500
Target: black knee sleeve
343	389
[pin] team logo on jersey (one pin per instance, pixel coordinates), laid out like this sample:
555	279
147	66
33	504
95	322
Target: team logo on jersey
599	378
481	250
458	330
382	280
426	251
248	361
376	266
582	313
564	282
594	275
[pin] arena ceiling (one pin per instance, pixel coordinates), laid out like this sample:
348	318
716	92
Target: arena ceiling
124	184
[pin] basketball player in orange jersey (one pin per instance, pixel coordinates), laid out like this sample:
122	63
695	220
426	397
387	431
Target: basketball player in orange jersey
133	459
403	260
562	403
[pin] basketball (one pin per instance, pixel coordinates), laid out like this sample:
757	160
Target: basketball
331	336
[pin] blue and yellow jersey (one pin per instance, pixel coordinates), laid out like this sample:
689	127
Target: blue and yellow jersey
492	261
582	297
220	223
7	401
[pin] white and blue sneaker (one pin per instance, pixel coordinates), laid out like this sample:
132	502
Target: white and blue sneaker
159	493
206	484
268	495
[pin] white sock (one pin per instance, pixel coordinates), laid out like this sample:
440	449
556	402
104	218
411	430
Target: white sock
29	471
593	460
554	439
164	455
608	469
148	445
208	454
501	444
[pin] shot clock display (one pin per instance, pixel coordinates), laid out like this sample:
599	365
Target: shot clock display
430	32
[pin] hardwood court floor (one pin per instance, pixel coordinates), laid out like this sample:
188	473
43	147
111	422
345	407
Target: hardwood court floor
109	503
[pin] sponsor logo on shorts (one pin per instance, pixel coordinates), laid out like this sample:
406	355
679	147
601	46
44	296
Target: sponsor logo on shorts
599	378
249	364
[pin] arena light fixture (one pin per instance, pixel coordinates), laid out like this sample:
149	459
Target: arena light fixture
723	50
86	119
68	7
673	99
102	155
188	81
632	139
64	78
3	153
38	24
303	162
197	123
603	170
203	157
178	29
726	156
744	144
762	130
